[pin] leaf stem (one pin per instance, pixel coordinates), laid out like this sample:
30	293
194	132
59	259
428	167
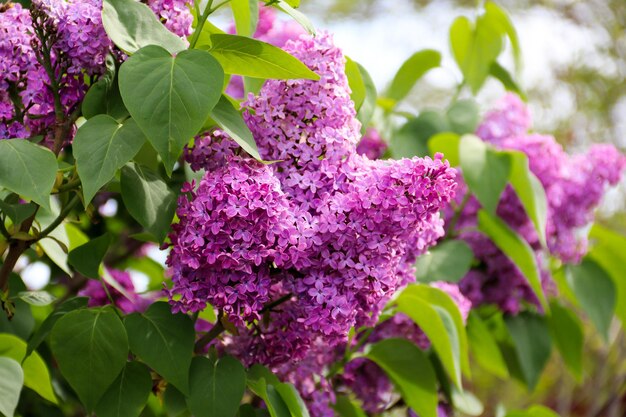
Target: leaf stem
62	215
201	21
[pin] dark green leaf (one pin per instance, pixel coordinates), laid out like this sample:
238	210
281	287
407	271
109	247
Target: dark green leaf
174	402
253	58
292	399
17	212
448	261
44	330
485	170
230	120
246	13
567	332
11	381
412	138
347	408
87	258
463	116
484	347
104	97
132	25
411	372
530	192
170	97
595	292
101	147
18	157
36	375
148	199
515	248
91	348
22	323
164	341
127	396
216	387
411	71
533	344
262	382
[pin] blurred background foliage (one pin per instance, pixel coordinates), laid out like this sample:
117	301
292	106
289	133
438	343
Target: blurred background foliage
574	71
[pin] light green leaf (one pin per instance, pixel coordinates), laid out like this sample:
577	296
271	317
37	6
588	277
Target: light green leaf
304	21
348	408
498	16
91	348
230	120
448	261
164	341
128	394
253	58
101	147
515	248
148	199
27	169
533	344
412	138
216	387
11	381
484	347
463	116
17	212
131	25
411	71
88	257
36	374
246	14
367	108
534	411
485	170
501	74
595	291
356	83
466	402
411	372
36	298
567	332
448	144
170	97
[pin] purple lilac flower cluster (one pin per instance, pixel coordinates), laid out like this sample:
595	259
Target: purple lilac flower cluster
574	186
333	232
371	144
269	29
129	303
64	40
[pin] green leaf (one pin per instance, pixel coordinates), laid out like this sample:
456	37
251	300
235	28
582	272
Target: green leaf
533	344
530	192
17	212
485	170
292	399
296	15
499	17
132	25
216	387
174	402
356	83
347	408
253	58
534	411
148	199
476	47
128	395
595	292
412	138
411	71
22	323
411	372
567	332
87	258
164	341
103	97
448	261
44	330
11	381
27	169
501	74
36	298
101	147
467	403
515	248
463	116
36	375
484	347
608	252
262	382
170	97
448	144
366	110
91	348
230	120
246	14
